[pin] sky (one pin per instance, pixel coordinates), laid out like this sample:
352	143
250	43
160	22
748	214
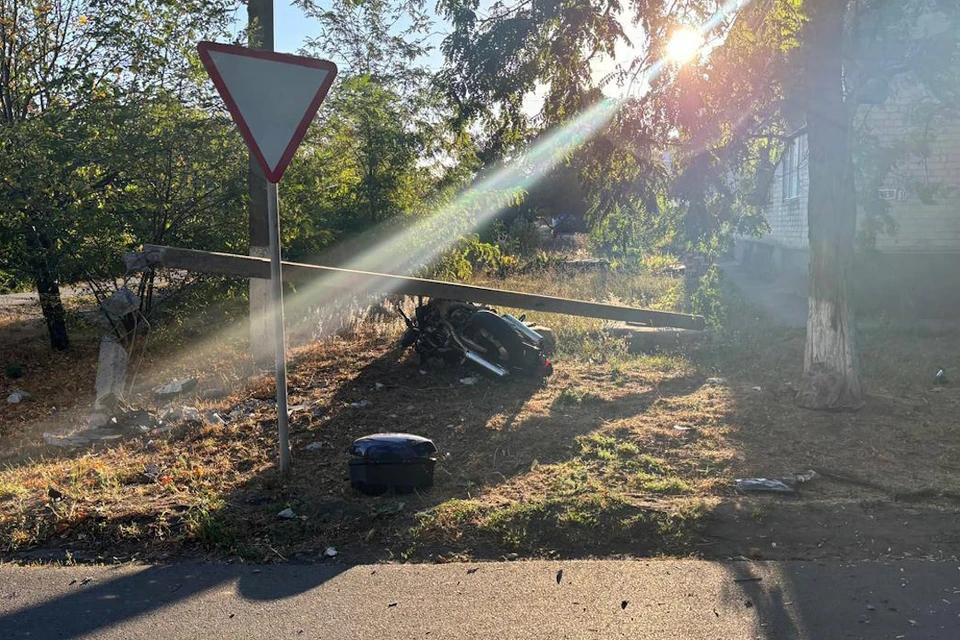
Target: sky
291	27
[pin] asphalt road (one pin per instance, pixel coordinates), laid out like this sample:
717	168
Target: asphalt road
652	600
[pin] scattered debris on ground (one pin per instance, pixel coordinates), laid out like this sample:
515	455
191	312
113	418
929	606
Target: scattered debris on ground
764	484
174	388
618	453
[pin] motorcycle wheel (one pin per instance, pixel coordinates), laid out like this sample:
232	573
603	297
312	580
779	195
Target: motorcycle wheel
501	343
409	337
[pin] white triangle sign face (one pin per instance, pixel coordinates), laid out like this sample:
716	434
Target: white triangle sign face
272	97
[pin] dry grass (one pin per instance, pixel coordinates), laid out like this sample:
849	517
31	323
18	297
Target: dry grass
56	380
588	463
506	445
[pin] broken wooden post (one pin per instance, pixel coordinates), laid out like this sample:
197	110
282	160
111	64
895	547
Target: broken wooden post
351	281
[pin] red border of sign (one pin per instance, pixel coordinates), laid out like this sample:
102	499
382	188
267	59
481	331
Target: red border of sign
275	173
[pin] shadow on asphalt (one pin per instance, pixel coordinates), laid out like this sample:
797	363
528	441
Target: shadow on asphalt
755	600
87	608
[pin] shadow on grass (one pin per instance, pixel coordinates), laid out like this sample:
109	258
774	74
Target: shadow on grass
493	438
489	436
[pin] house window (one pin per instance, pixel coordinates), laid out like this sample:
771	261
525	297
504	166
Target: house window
794	158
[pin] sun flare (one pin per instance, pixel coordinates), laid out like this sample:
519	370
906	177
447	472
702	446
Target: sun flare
684	45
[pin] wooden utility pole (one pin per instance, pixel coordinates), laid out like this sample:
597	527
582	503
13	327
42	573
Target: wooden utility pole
350	281
260	27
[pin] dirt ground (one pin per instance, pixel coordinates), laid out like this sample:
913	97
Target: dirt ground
616	454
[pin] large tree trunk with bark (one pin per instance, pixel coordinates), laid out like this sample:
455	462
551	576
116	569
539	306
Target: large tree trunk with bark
39	247
831	377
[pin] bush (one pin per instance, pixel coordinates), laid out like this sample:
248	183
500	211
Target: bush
470	254
707	299
13	370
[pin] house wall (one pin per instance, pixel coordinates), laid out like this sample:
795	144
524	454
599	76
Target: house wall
902	120
912	273
920	227
788	218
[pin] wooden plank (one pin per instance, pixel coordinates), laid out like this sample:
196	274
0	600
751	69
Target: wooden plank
349	280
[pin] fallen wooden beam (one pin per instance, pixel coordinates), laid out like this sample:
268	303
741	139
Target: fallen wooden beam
349	280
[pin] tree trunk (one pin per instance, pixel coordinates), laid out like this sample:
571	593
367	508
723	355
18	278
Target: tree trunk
831	377
48	289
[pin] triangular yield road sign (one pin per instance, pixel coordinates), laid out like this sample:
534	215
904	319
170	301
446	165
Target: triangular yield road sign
271	96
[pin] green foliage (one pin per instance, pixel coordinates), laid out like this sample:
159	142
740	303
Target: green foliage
707	300
469	255
359	167
73	94
633	202
13	370
379	157
520	237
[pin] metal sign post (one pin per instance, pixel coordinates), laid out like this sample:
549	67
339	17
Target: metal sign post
280	344
272	97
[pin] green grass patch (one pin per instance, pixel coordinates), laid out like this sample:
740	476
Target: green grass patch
572	396
595	523
665	486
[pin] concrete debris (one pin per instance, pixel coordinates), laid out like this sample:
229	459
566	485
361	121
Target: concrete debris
59	440
136	261
122	302
111	373
330	552
214	418
363	404
379	385
472	380
97	420
137	420
314	446
180	414
175	388
287	514
18	396
246	408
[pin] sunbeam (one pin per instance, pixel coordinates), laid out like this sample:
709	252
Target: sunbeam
409	250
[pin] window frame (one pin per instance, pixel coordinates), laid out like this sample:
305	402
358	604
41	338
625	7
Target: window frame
793	158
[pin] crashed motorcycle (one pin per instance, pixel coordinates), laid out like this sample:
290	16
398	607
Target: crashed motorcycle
455	332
